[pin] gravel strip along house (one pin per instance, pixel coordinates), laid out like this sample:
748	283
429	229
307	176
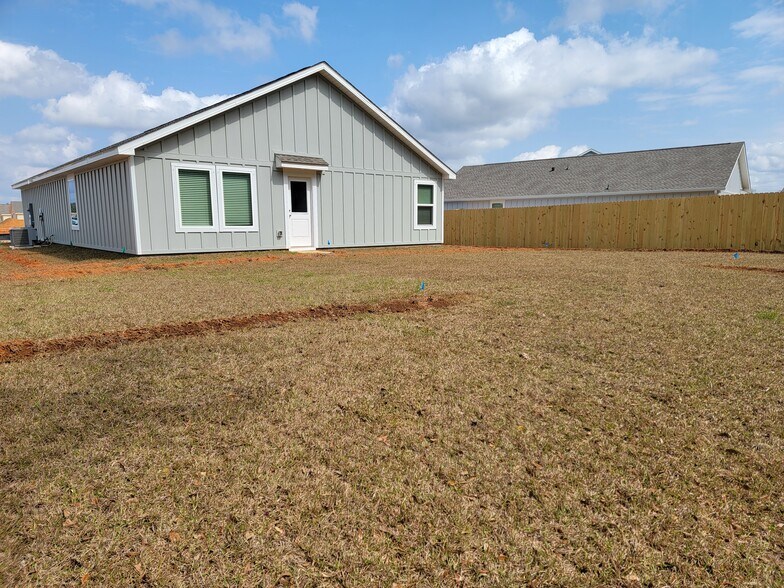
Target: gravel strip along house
303	162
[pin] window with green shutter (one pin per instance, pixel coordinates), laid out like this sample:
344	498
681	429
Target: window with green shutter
237	199
425	205
195	197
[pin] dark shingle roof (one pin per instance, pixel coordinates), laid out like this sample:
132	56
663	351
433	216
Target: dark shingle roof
687	169
281	158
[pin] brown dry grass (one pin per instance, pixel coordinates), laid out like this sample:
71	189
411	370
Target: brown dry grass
582	418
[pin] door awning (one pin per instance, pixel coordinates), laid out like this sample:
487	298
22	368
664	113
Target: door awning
286	161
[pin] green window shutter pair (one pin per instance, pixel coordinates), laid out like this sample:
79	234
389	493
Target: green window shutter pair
237	204
425	204
196	198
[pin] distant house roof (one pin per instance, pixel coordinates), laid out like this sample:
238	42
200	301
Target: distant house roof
15	206
127	147
704	168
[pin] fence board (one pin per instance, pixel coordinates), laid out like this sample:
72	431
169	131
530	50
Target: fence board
750	222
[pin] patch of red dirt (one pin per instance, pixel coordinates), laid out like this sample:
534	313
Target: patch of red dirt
19	349
745	268
37	269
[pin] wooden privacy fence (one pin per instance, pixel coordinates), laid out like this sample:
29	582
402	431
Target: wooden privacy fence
750	222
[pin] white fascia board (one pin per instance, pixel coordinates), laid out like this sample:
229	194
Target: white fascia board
129	148
587	194
303	166
328	72
391	125
64	170
745	178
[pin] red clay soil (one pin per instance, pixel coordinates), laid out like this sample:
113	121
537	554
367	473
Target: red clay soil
744	268
10	223
19	349
37	269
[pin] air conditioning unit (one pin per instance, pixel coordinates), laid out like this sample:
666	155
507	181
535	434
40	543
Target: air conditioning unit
22	237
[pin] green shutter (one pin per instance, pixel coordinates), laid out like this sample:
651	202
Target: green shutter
195	198
237	205
424	194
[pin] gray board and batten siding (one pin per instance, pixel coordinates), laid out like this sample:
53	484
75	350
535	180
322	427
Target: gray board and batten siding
105	208
563	200
366	197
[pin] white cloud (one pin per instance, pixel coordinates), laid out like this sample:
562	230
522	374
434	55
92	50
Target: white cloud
479	99
37	148
766	166
225	30
305	17
36	73
551	152
118	101
764	74
767	24
506	10
395	60
579	12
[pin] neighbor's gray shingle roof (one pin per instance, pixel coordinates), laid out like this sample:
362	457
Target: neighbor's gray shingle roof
687	169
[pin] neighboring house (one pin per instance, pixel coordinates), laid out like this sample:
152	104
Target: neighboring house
609	177
303	162
11	210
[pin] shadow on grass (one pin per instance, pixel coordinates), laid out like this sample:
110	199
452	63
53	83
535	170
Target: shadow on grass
72	253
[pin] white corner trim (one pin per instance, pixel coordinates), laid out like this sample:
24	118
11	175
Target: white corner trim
220	170
418	182
137	228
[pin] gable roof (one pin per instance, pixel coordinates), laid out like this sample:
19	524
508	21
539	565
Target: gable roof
128	146
704	168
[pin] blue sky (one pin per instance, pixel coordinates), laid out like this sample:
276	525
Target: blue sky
477	82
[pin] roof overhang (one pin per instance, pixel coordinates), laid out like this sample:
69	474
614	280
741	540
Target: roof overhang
300	162
129	147
99	160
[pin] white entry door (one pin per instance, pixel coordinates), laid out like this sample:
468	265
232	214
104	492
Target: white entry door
300	210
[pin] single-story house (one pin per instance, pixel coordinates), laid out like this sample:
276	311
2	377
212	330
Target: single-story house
602	177
305	161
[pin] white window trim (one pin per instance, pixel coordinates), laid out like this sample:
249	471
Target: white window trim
418	183
493	204
72	178
220	170
179	227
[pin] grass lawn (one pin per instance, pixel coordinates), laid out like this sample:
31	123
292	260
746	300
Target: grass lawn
569	418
